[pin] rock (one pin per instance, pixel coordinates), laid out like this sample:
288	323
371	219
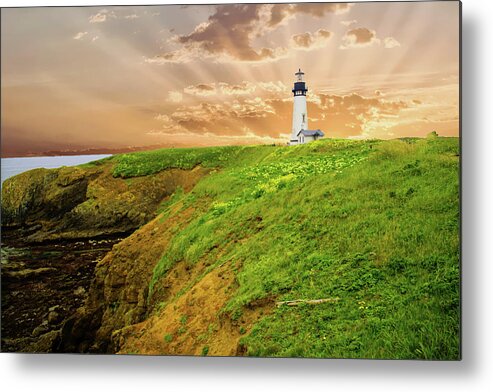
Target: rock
40	329
46	343
15	345
38	193
53	317
79	291
26	273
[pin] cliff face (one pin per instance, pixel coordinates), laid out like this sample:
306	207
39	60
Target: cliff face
77	202
74	203
43	195
120	316
118	296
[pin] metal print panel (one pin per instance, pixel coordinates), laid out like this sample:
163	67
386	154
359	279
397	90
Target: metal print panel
276	180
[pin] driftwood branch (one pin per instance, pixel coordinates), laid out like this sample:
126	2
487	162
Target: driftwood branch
297	302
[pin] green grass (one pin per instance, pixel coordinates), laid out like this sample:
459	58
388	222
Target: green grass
374	223
99	162
150	162
168	338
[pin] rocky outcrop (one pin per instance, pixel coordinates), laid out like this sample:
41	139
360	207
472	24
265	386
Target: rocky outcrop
77	202
118	295
41	194
43	207
42	285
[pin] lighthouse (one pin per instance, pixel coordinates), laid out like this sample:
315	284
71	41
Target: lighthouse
300	118
299	131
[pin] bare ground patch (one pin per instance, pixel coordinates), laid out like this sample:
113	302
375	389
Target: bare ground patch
192	323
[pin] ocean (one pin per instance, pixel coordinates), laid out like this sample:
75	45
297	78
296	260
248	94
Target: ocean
13	166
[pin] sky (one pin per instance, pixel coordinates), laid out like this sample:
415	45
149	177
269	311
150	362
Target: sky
197	75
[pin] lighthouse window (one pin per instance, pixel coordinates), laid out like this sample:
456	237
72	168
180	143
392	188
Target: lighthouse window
303	117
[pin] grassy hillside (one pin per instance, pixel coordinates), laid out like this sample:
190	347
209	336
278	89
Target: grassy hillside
373	225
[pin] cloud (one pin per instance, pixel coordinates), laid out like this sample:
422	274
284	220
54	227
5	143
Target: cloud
85	35
178	56
256	107
223	118
348	23
275	87
320	9
362	37
175	96
352	115
167	122
237	89
101	16
391	42
105	14
307	41
201	89
359	37
230	31
245	137
243	88
281	13
355	115
80	35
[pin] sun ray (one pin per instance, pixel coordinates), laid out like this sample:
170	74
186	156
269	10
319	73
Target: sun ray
114	77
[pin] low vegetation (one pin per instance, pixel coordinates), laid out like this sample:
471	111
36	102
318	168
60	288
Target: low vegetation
150	162
374	224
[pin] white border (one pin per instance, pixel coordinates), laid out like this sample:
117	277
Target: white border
20	372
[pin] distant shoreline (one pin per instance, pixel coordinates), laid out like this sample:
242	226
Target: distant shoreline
106	151
55	155
88	151
12	166
76	152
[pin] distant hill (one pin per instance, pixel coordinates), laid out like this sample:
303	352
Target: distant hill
362	235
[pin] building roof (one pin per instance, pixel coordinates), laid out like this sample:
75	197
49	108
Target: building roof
316	132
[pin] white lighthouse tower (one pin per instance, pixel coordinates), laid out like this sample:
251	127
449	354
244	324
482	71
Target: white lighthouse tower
300	117
299	132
